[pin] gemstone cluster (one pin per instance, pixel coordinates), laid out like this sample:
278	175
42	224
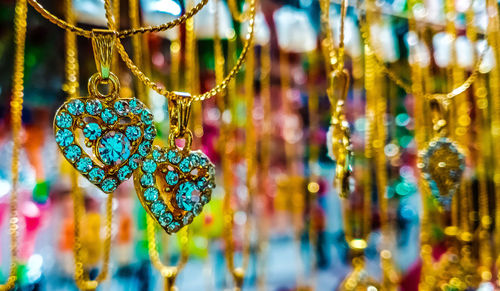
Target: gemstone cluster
118	132
174	185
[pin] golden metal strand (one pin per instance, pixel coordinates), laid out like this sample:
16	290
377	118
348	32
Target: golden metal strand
365	35
235	12
212	92
16	114
122	33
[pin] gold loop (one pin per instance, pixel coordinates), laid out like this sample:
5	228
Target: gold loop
97	79
187	136
179	110
439	108
339	85
103	43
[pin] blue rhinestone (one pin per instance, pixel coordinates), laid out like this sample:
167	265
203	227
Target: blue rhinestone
188	218
151	194
84	165
114	148
64	120
184	196
109	185
135	106
195	159
64	137
108	116
204	161
133	132
158	156
147	117
185	165
93	107
201	183
158	208
147	180
144	148
124	172
92	131
165	219
96	175
75	107
198	207
72	153
149	166
204	199
121	107
172	178
150	132
173	227
134	161
173	156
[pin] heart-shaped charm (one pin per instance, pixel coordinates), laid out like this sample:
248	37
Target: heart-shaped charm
442	164
103	137
174	184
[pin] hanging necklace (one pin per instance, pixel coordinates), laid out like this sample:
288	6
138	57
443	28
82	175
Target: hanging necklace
16	125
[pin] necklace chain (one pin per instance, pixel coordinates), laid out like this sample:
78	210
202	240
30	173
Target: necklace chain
16	114
122	33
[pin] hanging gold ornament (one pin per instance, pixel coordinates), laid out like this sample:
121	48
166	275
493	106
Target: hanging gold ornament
442	162
118	131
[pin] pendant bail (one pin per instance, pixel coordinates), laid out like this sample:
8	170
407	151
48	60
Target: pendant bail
338	86
103	42
440	112
179	110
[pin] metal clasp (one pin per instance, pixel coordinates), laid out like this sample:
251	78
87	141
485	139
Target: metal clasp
103	42
179	110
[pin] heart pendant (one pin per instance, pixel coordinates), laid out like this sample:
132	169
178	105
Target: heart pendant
442	164
174	184
103	137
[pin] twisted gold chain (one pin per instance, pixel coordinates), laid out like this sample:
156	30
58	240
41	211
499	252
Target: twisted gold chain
407	87
235	12
16	114
212	92
122	33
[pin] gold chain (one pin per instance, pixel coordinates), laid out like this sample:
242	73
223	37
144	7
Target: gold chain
122	33
16	114
235	12
212	92
169	273
407	87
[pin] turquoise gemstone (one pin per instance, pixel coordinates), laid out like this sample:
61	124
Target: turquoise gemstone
92	131
158	208
172	178
147	180
84	165
108	116
96	175
204	199
134	161
124	173
158	156
173	227
188	218
114	148
185	165
93	107
147	117
144	148
133	132
165	219
121	107
135	106
201	183
198	207
109	185
72	153
195	159
64	120
184	196
151	194
64	137
204	161
150	132
149	166
75	107
173	156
